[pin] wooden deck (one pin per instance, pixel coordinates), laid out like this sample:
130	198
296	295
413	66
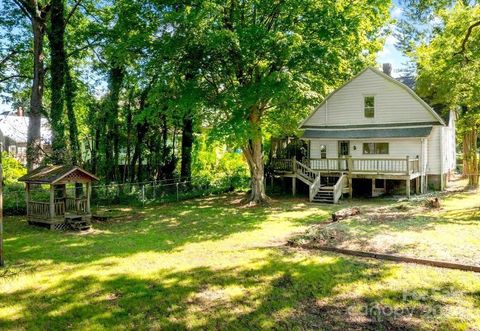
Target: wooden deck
40	213
346	169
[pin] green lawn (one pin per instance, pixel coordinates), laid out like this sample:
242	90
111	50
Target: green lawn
211	264
451	233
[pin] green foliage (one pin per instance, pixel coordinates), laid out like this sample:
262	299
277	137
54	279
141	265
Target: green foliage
278	58
214	162
12	169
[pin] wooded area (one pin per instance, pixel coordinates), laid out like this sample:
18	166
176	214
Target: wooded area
128	87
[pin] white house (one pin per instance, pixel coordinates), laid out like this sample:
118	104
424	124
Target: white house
14	131
370	134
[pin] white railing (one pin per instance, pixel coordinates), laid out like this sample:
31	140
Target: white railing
338	188
314	188
305	171
328	164
399	166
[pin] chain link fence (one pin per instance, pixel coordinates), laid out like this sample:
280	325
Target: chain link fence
132	194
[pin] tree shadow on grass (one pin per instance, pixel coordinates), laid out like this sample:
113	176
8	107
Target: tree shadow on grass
199	298
281	291
160	228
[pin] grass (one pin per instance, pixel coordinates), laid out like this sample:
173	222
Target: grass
211	264
451	233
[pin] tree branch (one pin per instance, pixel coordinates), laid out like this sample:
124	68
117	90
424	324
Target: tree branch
4	79
24	8
465	39
72	11
8	57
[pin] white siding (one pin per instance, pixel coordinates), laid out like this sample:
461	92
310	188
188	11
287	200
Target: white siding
398	148
393	104
332	148
433	148
450	144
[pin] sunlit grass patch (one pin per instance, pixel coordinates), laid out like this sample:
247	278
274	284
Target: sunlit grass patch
209	264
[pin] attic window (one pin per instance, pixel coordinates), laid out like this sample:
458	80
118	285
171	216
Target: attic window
369	106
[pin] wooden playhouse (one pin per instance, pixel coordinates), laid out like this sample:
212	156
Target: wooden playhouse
60	211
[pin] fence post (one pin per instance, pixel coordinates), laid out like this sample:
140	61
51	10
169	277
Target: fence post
177	191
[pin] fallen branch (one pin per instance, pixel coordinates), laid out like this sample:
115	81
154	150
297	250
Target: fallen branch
344	213
396	258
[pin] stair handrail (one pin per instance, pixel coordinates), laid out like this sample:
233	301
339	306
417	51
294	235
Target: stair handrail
314	187
338	188
305	170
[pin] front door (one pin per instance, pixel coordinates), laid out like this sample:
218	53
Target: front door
343	148
343	152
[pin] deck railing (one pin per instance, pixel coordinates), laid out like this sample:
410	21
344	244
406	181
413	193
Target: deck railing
76	205
282	165
328	164
39	209
357	165
338	188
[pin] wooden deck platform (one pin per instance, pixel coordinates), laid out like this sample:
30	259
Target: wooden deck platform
348	168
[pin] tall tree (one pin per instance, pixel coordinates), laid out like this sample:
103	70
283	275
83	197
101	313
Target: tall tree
449	75
36	11
61	86
270	60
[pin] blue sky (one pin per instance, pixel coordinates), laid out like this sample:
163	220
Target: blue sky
389	53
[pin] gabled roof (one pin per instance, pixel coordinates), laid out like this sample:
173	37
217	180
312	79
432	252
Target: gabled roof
55	173
389	78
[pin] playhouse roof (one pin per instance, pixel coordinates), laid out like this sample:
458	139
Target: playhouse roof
58	174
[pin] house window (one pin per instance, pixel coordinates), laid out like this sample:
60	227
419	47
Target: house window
375	148
323	151
369	106
12	149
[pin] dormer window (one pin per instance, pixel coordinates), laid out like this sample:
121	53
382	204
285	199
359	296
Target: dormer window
369	106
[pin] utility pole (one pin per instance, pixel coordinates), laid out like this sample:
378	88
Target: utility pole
2	262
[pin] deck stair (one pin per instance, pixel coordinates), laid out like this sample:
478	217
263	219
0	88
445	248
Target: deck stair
321	191
77	222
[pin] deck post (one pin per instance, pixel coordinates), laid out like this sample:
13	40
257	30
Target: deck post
89	193
417	185
52	202
408	165
350	180
294	186
27	198
407	187
294	165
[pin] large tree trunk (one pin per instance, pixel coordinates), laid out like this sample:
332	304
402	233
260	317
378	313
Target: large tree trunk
470	158
72	119
187	144
253	152
36	99
112	134
56	35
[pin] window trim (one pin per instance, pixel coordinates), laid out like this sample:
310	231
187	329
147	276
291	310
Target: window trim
323	151
374	143
374	105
